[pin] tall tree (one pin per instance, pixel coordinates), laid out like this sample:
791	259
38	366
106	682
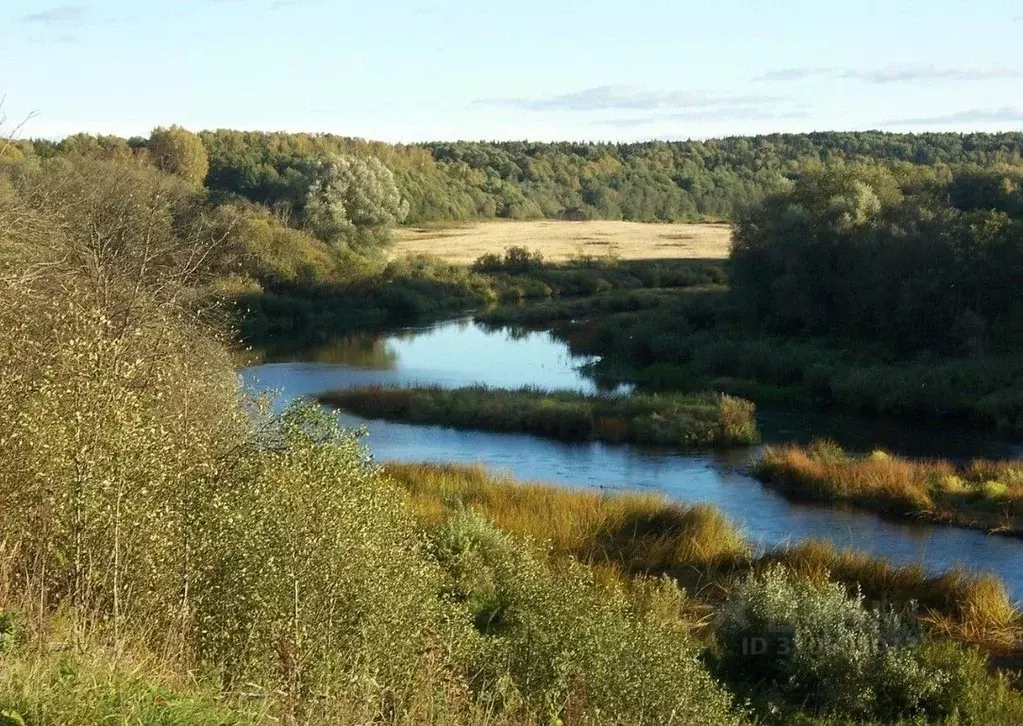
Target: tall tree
179	151
353	202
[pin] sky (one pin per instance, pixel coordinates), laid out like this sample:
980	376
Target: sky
411	70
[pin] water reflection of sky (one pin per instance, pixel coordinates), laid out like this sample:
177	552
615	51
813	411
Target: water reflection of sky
460	353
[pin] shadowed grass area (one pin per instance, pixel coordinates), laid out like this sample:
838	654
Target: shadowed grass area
610	303
86	688
686	421
984	495
627	535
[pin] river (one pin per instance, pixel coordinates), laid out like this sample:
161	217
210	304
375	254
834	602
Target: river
458	353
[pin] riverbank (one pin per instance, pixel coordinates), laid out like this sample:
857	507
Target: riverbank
984	495
629	535
696	339
408	290
684	421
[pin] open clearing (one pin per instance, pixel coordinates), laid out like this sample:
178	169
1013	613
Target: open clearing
559	240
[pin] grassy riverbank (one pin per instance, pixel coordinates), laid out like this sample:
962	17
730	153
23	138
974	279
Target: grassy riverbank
983	495
696	339
685	421
625	535
626	539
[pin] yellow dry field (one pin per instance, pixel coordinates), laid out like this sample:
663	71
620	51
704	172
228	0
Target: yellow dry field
560	241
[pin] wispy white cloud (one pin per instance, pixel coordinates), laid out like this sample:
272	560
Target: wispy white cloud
60	23
1003	115
794	74
66	16
632	98
896	74
724	113
900	74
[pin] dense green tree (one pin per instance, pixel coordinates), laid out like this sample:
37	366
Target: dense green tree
864	252
178	151
353	202
651	181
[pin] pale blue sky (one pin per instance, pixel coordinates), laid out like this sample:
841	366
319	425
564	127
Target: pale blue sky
409	70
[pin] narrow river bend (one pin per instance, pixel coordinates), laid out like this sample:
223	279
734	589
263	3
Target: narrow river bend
458	353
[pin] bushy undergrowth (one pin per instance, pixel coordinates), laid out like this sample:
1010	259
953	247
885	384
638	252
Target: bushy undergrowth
90	685
815	645
673	420
555	646
646	535
543	313
279	283
986	494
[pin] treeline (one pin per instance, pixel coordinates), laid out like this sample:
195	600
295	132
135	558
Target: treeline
651	181
914	263
893	292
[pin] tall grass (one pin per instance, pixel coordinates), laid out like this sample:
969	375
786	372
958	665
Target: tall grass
635	533
690	421
629	534
983	494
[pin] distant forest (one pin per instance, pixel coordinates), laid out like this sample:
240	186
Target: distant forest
647	182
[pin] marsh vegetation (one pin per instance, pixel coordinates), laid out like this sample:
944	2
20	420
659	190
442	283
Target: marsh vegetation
982	494
681	421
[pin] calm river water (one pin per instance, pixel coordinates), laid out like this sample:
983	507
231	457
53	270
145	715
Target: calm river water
460	353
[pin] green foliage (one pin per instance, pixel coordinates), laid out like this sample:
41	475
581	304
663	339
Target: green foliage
866	253
683	421
815	645
650	181
82	689
271	252
178	151
696	340
352	202
555	646
516	260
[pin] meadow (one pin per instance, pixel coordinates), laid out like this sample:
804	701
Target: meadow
560	241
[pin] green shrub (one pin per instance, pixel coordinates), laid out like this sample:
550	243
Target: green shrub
310	544
826	450
816	645
555	648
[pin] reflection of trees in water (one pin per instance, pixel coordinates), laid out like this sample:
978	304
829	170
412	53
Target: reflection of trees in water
365	350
